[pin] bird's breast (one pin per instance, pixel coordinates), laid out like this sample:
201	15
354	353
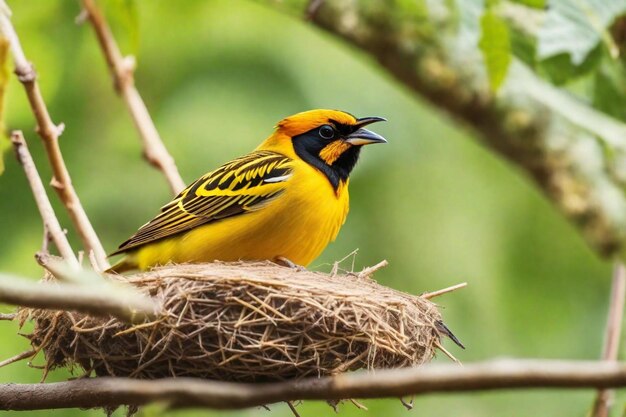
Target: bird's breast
311	214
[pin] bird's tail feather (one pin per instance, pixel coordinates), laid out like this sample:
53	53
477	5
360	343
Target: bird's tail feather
443	329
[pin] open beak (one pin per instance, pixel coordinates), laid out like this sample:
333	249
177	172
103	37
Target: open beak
363	136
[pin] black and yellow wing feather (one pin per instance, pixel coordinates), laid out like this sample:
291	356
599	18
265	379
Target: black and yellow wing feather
240	186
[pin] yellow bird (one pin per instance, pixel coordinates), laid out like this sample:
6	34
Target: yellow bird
285	200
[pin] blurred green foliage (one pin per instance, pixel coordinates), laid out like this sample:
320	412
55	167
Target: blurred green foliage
5	143
217	76
495	44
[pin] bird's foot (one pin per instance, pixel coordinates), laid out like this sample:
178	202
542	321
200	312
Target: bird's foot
281	260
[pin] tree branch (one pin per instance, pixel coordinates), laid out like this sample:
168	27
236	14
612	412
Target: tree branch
122	70
18	357
186	392
98	298
7	316
545	131
613	333
50	221
49	133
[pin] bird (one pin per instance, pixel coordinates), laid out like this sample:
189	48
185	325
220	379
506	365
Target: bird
284	201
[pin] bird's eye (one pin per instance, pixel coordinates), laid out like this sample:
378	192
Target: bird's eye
327	132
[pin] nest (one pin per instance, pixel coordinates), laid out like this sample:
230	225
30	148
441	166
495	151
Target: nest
248	322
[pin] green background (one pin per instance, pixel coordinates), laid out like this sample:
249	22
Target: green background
216	77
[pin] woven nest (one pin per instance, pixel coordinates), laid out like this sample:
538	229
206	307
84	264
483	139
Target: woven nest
247	322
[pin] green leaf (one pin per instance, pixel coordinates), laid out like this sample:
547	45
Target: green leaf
559	68
5	144
495	45
416	9
123	14
535	4
523	46
576	27
609	89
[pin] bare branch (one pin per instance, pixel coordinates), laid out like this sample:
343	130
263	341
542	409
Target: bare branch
187	392
122	70
7	317
50	221
100	299
50	133
613	333
293	409
18	357
59	269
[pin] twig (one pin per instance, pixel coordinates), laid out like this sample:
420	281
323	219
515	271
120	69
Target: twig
613	332
335	268
187	392
51	224
358	404
101	299
370	270
407	404
45	241
17	358
293	409
49	133
59	269
433	294
122	69
7	317
447	353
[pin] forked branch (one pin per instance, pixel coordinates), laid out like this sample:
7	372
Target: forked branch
122	70
50	221
49	133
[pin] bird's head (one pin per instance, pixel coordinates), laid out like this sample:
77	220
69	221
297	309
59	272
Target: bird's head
329	140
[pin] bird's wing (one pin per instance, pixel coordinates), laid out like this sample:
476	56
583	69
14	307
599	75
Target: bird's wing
240	186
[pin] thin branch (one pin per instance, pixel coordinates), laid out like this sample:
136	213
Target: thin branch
17	358
434	378
447	353
370	270
407	404
293	409
358	404
50	133
59	269
122	70
51	224
100	299
613	333
433	294
45	241
7	317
